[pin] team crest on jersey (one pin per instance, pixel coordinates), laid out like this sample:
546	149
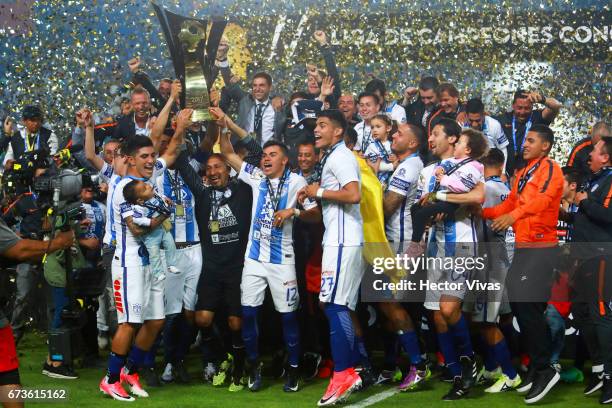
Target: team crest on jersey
158	165
401	172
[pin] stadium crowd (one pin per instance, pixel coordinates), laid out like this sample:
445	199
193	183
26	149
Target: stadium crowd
248	238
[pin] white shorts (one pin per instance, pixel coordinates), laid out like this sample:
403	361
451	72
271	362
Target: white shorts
281	279
180	288
341	271
487	312
137	296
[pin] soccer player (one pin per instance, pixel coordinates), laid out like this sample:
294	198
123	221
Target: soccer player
490	127
269	258
138	299
451	237
398	226
532	209
342	268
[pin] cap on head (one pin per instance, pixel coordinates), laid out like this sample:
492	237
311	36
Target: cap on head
31	112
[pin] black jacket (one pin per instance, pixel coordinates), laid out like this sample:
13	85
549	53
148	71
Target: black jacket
593	221
216	253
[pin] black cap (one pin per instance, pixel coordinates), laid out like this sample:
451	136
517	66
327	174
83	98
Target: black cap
31	112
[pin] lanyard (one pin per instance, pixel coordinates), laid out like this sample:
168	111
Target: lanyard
453	169
494	178
30	146
382	150
137	178
527	127
524	179
176	184
216	203
365	142
275	196
327	154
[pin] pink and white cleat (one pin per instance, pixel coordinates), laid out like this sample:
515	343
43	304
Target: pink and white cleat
134	382
115	390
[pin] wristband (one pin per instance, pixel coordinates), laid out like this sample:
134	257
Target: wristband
296	212
441	196
320	193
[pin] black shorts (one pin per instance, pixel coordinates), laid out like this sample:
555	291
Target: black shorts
219	289
9	377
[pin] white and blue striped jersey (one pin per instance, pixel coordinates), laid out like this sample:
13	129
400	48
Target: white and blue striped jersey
450	230
404	182
184	227
396	112
110	238
130	251
94	212
266	243
343	222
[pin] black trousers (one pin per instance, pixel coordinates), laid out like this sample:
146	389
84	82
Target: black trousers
529	282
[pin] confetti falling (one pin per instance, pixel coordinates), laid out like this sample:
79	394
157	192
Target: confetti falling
65	55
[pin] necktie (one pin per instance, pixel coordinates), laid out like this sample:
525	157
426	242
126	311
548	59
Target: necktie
258	121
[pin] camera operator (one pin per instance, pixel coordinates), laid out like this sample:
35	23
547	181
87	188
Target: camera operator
592	244
15	248
23	210
33	136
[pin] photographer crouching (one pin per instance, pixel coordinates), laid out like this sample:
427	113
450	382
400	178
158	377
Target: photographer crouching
21	250
592	246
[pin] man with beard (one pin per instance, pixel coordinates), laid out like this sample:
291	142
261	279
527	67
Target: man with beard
419	111
521	118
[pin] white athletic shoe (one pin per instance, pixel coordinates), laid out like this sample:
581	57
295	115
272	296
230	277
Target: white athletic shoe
485	376
505	383
167	374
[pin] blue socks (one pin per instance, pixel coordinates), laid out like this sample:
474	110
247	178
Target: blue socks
502	355
136	359
115	363
461	336
342	335
250	332
410	343
447	347
291	334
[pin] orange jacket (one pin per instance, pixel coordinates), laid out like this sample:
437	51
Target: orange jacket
536	208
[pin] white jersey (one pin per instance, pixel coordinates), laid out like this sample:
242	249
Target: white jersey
396	112
94	212
343	222
130	251
404	180
364	136
378	150
266	243
105	173
184	225
496	192
494	133
450	230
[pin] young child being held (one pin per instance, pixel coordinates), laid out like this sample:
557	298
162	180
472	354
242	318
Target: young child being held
378	154
142	194
459	174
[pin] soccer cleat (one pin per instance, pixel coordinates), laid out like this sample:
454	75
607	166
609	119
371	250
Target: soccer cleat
115	390
63	372
458	391
235	387
414	378
543	382
209	372
367	378
133	381
292	383
527	380
150	377
254	382
504	383
340	387
469	371
595	383
385	376
606	394
485	376
223	372
180	373
311	364
168	374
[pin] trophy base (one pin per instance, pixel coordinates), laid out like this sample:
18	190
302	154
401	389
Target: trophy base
201	115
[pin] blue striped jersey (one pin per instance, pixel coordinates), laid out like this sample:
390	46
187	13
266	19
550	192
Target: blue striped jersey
267	243
398	226
184	227
94	212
